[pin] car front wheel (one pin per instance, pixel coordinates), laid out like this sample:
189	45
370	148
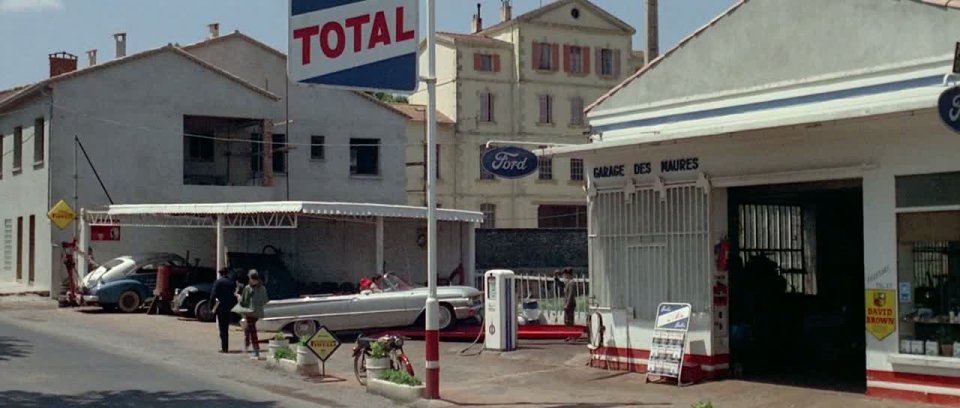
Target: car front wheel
129	302
203	312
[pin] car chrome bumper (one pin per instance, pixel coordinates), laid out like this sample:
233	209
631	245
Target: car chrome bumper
91	299
466	312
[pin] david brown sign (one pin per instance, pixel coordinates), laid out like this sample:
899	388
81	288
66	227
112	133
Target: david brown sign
881	314
356	44
509	162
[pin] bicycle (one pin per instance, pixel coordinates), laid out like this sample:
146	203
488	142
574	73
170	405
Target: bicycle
394	345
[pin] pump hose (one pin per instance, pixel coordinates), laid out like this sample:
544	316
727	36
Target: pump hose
483	347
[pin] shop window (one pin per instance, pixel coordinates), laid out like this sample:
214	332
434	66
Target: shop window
365	157
562	216
489	216
928	263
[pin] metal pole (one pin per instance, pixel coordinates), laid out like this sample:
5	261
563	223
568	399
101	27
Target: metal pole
432	333
220	251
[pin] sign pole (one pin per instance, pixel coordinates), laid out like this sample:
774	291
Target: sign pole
432	334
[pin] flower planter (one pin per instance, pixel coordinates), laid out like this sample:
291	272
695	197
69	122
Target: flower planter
307	363
376	367
396	392
289	366
273	345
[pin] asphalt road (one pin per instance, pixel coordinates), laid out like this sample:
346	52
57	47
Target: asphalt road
38	370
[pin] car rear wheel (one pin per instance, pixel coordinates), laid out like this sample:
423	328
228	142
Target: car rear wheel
303	329
129	302
203	312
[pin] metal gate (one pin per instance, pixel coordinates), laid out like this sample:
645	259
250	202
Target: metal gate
650	246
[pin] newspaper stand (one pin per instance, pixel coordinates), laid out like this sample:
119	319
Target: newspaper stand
669	342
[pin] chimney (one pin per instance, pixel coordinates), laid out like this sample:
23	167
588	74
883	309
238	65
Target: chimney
214	30
92	57
61	63
653	31
121	39
477	21
506	11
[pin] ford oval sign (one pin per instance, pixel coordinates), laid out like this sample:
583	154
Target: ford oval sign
949	107
509	162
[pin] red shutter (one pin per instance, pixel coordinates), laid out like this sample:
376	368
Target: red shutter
535	58
585	55
496	63
555	64
477	62
566	58
616	63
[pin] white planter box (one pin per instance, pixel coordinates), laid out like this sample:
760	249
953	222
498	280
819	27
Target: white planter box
289	366
396	392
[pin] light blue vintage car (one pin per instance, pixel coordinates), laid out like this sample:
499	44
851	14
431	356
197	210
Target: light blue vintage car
125	283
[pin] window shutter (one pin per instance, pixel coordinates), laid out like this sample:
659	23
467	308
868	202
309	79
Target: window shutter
555	54
535	58
599	62
543	109
566	58
477	61
616	63
585	54
496	63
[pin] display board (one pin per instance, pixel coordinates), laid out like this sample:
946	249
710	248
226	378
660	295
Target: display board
668	345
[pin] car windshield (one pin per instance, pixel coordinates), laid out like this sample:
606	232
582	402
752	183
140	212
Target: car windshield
394	283
103	269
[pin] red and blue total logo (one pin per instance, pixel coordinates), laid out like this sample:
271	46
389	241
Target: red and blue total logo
361	44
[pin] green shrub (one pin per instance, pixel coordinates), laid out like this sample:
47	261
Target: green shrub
702	404
279	336
400	377
304	341
285	353
378	349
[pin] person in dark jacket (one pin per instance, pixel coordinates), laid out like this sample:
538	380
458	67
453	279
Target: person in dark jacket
223	297
569	295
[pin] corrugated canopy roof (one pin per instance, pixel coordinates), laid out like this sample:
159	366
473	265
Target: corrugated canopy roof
294	207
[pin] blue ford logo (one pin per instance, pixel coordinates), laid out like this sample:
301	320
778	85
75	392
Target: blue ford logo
509	162
949	107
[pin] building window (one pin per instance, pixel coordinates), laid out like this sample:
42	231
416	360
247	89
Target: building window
364	157
489	216
279	147
317	147
576	111
545	56
576	60
545	166
484	174
201	148
17	148
38	140
486	107
609	61
486	62
576	169
562	216
546	109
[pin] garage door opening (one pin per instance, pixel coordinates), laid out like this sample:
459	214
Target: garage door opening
796	285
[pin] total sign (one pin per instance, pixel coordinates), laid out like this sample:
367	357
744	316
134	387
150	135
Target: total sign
356	44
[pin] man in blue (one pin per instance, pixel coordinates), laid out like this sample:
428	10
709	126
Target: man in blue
223	297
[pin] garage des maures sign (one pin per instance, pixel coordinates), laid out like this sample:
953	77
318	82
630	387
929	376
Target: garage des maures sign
356	44
665	166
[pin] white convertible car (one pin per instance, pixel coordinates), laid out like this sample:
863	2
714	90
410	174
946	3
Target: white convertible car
398	304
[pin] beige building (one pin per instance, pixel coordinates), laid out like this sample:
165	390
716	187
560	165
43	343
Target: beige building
525	79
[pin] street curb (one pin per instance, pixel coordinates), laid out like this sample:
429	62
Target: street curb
38	293
424	403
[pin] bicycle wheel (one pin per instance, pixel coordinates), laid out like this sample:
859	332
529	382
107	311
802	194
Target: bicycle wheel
360	368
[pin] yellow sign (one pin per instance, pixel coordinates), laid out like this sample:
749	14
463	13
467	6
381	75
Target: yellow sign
323	343
881	312
61	214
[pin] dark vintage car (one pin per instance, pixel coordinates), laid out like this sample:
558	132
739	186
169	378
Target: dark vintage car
126	283
194	300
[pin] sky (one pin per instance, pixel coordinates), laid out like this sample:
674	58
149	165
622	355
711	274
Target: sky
32	29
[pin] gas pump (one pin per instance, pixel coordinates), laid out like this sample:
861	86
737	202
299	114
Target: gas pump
500	310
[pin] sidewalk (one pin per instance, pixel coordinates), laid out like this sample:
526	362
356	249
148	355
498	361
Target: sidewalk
20	289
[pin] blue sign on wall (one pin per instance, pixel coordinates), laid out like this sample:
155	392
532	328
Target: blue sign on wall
509	162
673	316
949	107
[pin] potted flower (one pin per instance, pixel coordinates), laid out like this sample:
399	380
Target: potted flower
278	341
306	361
285	358
397	385
378	360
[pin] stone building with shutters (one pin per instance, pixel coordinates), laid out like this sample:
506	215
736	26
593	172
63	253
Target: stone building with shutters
526	78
